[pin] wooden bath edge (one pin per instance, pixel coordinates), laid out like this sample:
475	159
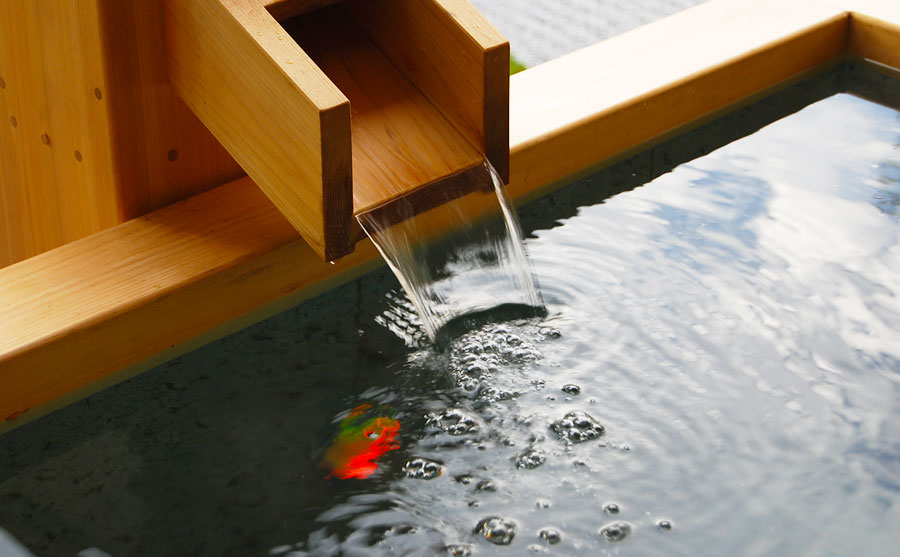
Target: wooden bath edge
94	312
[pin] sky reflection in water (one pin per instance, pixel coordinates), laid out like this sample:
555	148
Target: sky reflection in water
734	326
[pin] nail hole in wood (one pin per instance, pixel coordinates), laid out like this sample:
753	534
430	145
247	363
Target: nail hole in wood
45	139
13	122
173	154
98	94
2	83
78	156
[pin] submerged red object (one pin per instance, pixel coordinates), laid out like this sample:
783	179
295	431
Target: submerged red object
360	443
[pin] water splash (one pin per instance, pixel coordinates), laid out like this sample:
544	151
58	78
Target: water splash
462	260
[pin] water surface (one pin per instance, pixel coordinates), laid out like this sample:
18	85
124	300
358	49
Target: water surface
734	326
717	374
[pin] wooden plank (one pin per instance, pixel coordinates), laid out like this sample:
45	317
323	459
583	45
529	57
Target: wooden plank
279	116
875	33
456	57
15	218
78	136
163	152
30	188
90	78
166	271
595	103
400	141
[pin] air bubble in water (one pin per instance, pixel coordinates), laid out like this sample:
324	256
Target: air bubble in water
664	525
530	458
497	530
476	369
550	332
577	426
454	421
550	535
611	508
422	469
571	389
486	485
616	531
459	550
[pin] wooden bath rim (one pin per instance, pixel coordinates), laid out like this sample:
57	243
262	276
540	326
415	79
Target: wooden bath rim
83	316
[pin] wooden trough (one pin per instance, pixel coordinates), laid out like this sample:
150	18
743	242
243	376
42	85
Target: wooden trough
129	233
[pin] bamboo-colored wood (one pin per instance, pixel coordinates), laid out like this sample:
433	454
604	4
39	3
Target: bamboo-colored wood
400	140
163	153
137	292
456	57
592	104
875	35
50	64
91	133
224	58
154	283
281	118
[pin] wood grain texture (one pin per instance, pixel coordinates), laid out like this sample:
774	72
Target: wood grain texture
153	283
50	61
595	103
475	178
96	123
400	141
453	55
163	152
270	106
78	313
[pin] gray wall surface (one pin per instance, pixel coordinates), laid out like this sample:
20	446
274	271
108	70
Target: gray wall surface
540	30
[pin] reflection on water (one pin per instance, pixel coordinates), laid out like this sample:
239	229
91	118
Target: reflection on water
718	374
720	369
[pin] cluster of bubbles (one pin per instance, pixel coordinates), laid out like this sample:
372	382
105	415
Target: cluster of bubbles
454	421
531	458
477	357
577	427
488	368
422	469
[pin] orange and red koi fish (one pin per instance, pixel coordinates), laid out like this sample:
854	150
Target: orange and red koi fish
359	443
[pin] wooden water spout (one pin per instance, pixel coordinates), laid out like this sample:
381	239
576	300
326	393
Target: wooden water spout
119	115
340	108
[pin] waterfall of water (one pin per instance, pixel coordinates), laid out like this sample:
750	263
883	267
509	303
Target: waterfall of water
461	260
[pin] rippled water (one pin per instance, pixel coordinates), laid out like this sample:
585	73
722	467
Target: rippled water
719	373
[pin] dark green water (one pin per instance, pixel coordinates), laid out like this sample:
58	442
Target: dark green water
718	373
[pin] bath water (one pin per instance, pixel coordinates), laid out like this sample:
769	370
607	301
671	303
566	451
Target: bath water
717	373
